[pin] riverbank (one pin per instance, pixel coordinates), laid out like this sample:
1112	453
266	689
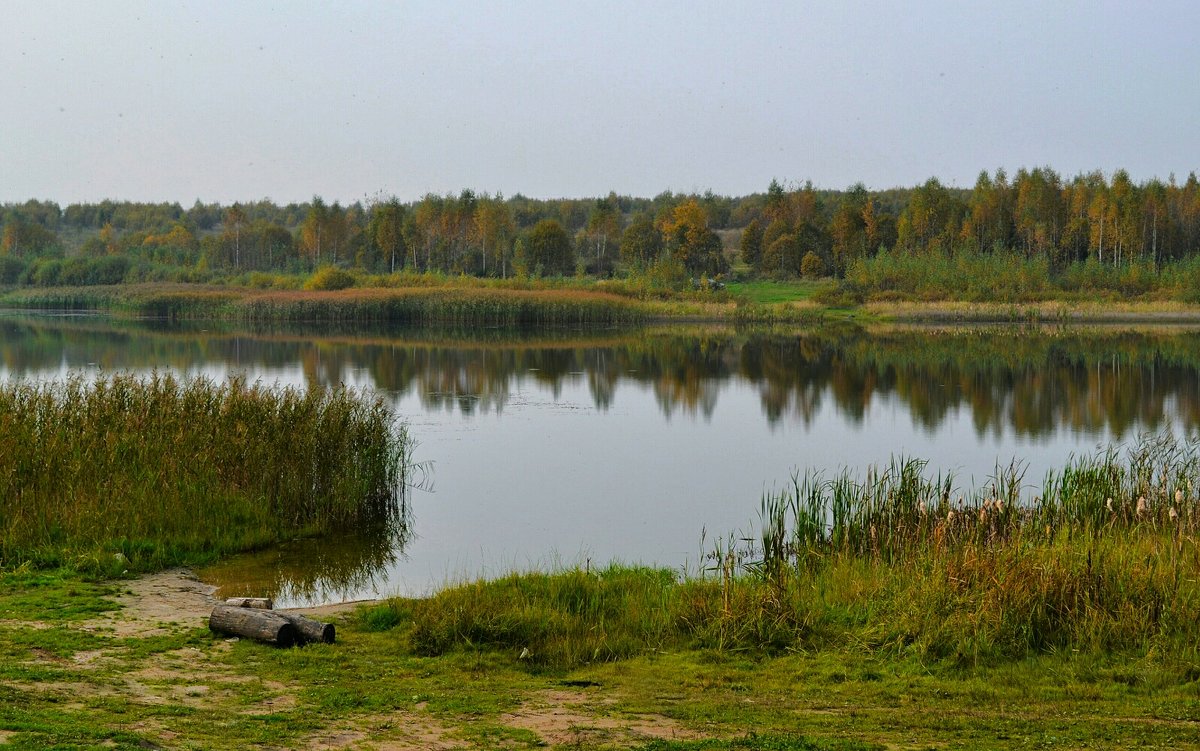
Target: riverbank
473	302
130	664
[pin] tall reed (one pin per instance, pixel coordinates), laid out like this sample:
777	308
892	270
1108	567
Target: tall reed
1104	558
132	472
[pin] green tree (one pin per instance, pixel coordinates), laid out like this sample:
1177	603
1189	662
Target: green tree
641	243
549	250
313	230
752	244
234	219
603	229
386	231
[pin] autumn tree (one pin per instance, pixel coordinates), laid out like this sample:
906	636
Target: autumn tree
848	229
22	237
691	242
494	229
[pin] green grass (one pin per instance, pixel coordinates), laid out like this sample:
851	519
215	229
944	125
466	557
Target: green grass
772	292
128	473
1103	560
185	688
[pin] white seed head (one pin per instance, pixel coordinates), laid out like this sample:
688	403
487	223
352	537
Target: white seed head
1173	514
1141	505
1108	505
1179	495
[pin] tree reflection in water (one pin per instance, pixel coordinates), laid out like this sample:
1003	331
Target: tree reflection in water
1034	381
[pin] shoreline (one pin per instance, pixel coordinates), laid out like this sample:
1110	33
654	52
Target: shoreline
526	307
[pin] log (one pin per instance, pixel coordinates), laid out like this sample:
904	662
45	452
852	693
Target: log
261	603
260	625
310	630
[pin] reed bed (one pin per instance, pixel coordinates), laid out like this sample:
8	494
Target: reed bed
1102	559
135	473
451	304
455	306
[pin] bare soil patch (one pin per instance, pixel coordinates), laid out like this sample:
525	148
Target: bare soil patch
567	718
396	731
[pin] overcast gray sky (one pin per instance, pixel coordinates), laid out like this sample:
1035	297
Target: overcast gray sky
236	101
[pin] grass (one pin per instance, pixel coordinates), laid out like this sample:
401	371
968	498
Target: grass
886	287
1102	561
126	473
83	685
773	292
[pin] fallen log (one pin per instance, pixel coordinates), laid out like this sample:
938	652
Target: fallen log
252	623
310	630
261	603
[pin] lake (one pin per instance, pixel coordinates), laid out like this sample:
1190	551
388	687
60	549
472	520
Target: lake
564	447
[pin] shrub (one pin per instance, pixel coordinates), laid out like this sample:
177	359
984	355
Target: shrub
329	278
811	266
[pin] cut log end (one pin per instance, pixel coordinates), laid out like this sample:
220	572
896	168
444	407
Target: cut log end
311	630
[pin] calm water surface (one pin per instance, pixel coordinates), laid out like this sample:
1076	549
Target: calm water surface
564	447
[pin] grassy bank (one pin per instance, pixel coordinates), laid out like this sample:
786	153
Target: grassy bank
449	303
866	611
128	473
90	665
1102	561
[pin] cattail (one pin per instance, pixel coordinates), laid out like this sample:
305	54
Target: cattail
1173	514
983	513
1141	505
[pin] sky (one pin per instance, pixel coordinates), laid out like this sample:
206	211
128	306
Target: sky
225	101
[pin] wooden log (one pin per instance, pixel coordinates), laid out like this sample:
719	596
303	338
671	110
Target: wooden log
310	630
260	625
260	603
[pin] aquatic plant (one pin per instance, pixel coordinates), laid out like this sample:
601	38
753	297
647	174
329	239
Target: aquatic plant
135	473
1103	559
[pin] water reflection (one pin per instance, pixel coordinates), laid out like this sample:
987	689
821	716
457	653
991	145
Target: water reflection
1030	381
316	571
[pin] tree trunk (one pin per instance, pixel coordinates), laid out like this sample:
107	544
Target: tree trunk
310	630
260	625
260	603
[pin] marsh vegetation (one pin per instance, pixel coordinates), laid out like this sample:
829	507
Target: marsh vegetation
124	473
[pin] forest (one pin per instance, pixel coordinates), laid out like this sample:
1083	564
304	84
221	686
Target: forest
788	231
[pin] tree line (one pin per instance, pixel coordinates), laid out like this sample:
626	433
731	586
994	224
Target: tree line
787	231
